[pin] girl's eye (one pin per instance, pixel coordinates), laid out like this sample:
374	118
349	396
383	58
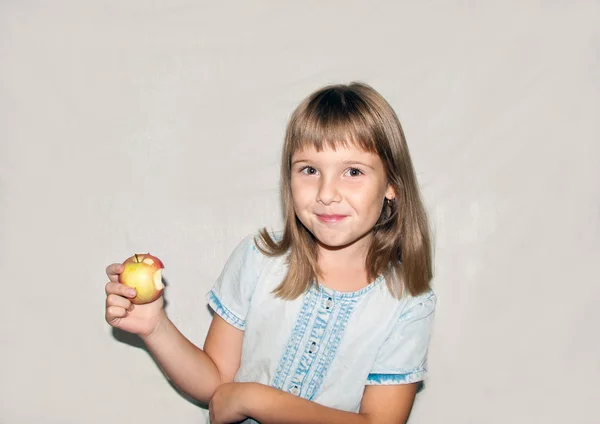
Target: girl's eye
308	170
354	172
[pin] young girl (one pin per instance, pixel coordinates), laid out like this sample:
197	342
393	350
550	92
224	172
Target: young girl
328	321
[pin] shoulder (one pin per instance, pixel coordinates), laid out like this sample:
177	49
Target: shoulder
427	297
255	241
244	255
396	310
258	240
406	304
419	306
251	249
261	238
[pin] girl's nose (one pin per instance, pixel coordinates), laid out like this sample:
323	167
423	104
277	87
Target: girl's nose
328	192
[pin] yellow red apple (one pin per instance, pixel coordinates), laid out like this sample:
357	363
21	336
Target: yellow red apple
143	272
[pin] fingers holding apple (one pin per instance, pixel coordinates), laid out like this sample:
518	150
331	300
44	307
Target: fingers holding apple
113	271
121	313
143	272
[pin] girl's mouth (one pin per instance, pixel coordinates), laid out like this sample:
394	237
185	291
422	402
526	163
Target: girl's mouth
331	218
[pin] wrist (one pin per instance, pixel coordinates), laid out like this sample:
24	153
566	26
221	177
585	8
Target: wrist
162	324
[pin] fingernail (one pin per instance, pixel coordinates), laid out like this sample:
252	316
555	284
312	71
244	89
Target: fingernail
131	293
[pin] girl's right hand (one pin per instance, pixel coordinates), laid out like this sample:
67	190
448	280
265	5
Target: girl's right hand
121	313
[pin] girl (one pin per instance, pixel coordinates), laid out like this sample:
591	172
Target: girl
328	321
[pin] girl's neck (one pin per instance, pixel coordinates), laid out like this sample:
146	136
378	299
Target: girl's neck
344	269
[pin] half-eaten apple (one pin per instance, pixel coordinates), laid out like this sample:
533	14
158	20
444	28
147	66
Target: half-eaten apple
143	272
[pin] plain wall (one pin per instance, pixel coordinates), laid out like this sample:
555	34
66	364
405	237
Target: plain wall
157	126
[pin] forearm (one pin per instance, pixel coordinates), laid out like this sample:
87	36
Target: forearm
185	364
271	406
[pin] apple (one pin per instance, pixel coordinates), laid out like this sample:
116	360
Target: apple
143	272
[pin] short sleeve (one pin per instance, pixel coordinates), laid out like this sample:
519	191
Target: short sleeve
231	294
402	359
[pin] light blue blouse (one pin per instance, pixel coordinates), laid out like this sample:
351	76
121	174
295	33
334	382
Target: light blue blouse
325	345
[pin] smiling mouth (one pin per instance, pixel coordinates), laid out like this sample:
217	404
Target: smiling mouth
331	218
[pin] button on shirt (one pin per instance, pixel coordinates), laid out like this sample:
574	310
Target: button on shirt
325	345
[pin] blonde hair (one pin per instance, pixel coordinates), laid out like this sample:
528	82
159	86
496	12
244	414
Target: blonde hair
343	115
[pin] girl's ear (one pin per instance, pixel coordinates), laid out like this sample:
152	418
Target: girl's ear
390	192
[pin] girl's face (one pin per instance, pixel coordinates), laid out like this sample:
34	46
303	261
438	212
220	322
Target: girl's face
338	194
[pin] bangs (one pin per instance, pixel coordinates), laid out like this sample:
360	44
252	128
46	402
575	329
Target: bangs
333	117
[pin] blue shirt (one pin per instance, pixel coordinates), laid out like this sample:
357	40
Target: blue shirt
326	345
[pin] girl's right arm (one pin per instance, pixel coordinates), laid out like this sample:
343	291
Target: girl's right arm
195	371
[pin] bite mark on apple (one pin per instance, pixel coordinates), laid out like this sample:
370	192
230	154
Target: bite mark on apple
158	280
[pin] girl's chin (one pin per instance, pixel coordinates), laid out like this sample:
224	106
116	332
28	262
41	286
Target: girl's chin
338	242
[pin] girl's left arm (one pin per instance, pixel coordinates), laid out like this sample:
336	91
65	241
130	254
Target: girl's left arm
234	402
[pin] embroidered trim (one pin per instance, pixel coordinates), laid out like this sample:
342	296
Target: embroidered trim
339	316
285	363
225	313
308	357
411	377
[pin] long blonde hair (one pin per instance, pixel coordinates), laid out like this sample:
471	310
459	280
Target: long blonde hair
355	114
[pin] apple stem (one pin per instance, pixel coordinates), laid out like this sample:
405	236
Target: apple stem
136	258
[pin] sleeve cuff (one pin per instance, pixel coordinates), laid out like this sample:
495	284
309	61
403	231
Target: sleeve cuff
384	379
225	313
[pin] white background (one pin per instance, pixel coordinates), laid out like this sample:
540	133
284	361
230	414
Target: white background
156	126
